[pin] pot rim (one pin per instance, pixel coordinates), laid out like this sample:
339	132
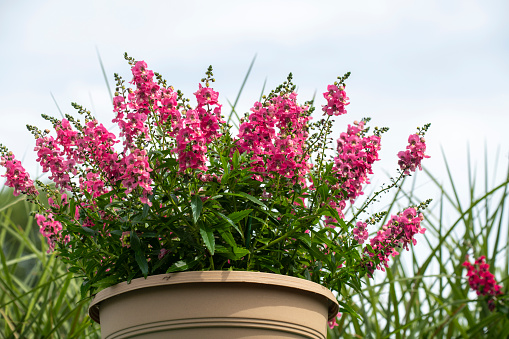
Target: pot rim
190	277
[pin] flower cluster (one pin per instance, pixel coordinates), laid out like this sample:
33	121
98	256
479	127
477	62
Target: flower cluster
360	232
51	230
410	159
356	155
336	100
399	232
282	152
482	281
16	176
198	129
131	117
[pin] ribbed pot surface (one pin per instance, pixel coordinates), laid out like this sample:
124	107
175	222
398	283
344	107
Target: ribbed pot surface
214	304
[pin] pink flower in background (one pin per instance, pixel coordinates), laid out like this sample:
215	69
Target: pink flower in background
334	322
162	253
410	159
482	281
17	177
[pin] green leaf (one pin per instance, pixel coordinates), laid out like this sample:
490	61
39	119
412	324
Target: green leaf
323	190
228	237
108	281
208	238
342	224
306	239
235	159
139	255
146	207
87	230
232	253
234	218
247	196
196	207
85	286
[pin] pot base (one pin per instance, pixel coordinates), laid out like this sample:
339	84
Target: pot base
214	304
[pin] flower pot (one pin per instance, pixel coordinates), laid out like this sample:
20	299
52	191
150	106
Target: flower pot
214	304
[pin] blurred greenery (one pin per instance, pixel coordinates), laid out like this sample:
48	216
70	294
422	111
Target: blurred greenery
38	297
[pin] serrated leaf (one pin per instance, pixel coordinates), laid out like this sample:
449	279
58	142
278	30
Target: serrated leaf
208	238
146	207
196	207
235	159
228	237
139	255
233	253
305	239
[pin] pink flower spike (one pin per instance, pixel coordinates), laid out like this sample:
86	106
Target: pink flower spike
17	177
410	159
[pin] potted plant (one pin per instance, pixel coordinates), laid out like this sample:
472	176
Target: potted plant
178	204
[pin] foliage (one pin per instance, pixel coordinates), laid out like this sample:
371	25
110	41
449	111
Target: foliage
38	297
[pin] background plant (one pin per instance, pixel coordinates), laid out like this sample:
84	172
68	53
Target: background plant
39	298
429	296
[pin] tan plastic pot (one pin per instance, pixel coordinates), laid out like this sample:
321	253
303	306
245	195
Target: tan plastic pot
214	304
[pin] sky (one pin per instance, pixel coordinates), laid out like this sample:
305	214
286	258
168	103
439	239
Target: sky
412	62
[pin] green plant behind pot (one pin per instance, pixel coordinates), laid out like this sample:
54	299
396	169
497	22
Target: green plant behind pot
38	297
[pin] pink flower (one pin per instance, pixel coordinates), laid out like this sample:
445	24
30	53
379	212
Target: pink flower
162	253
360	232
354	161
276	153
334	322
398	232
16	176
49	155
137	174
410	159
482	280
336	100
51	230
206	96
131	116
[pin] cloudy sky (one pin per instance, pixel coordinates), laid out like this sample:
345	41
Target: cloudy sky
412	62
